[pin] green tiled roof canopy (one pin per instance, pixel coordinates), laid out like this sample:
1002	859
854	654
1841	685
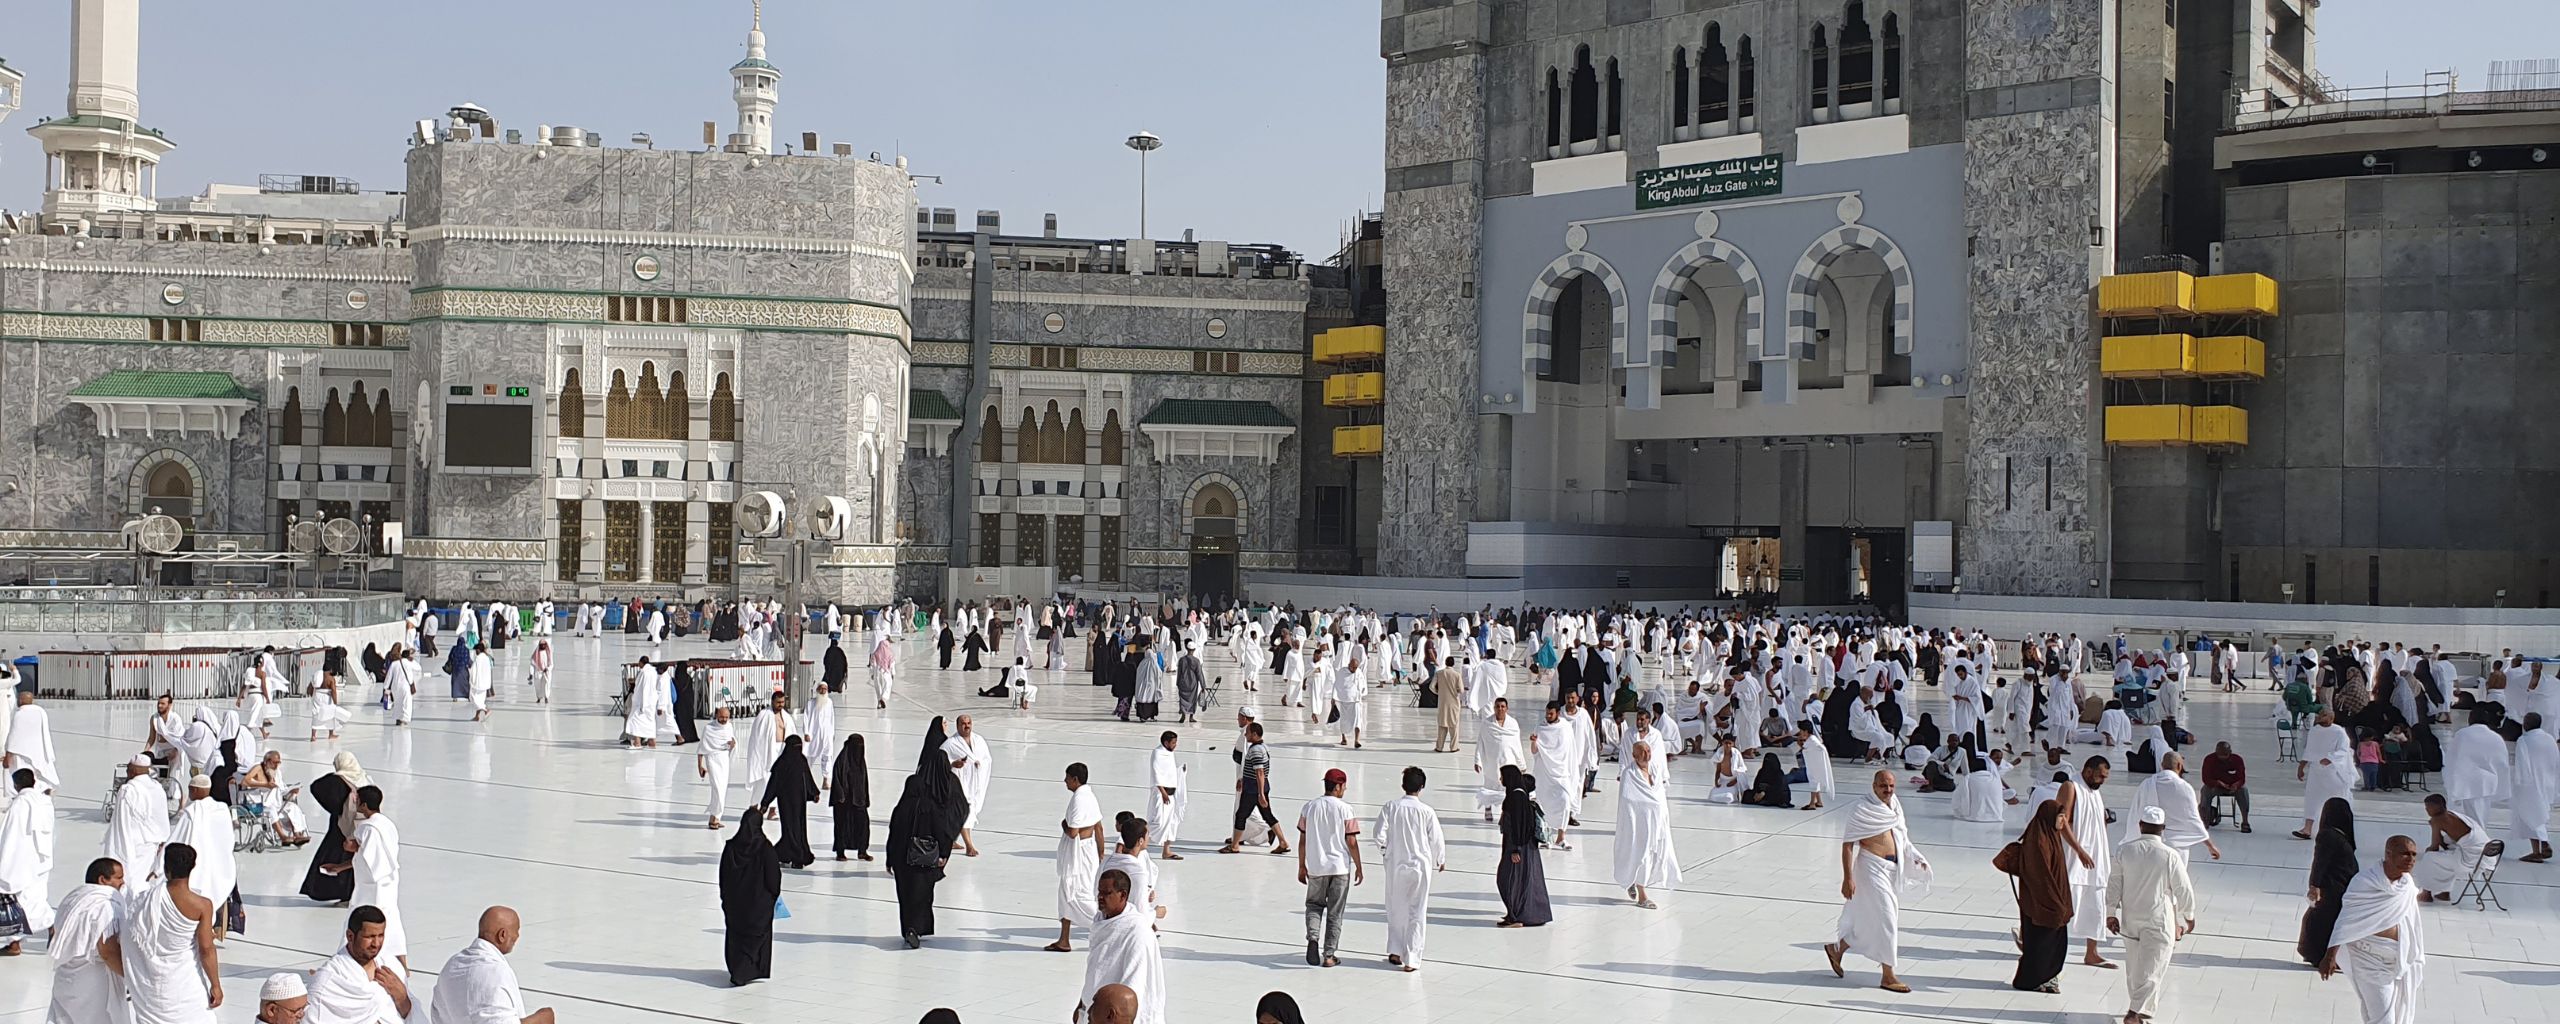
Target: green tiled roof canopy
1214	412
927	404
169	384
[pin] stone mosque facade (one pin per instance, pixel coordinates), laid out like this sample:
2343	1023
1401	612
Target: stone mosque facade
554	367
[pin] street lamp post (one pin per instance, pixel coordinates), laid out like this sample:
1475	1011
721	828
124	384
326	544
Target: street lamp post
1144	142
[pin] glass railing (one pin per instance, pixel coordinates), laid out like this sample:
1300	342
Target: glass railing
80	610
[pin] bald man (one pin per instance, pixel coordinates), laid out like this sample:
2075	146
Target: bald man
477	986
1113	1004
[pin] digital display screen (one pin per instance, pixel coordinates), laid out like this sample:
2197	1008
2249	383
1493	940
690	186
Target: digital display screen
488	436
519	392
458	389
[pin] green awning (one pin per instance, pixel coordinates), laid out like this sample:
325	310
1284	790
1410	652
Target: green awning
163	384
1214	412
928	404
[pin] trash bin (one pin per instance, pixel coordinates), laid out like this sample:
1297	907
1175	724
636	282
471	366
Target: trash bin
27	667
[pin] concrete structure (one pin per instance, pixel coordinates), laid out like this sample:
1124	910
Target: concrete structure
2400	453
99	158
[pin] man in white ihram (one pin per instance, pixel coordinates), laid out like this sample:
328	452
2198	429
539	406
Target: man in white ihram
1414	851
2168	792
164	944
139	821
2327	769
204	825
2378	938
2152	904
86	990
359	985
976	767
30	741
1878	866
477	985
2475	768
1169	783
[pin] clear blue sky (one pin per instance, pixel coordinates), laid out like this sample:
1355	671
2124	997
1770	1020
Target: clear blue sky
1270	111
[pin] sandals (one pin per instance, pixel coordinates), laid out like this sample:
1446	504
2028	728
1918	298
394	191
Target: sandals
1895	987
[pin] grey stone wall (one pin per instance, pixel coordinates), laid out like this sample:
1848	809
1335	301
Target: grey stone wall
2399	444
255	304
572	222
1436	125
2035	181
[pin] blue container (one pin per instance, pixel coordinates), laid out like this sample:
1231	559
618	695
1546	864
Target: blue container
26	673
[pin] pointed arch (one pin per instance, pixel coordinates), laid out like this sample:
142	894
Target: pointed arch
1077	452
1053	435
1114	446
675	418
991	437
382	418
289	431
359	417
1806	282
646	400
617	407
1026	439
333	421
573	405
1537	318
724	409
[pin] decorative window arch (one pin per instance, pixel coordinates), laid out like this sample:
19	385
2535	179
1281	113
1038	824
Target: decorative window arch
724	409
1805	284
289	431
1537	318
359	417
382	418
573	406
1664	311
617	407
1214	490
991	437
1026	440
164	467
1114	446
333	420
675	418
1077	452
1053	435
646	402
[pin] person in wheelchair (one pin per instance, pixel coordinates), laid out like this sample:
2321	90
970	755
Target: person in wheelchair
263	793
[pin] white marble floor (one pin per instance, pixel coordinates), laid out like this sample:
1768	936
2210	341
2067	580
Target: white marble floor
603	852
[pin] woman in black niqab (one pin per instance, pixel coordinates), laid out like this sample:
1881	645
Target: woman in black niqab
750	884
849	794
789	792
922	828
2333	865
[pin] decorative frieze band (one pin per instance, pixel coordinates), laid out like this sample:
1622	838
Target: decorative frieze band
201	270
1103	359
654	240
703	311
452	549
91	327
1178	558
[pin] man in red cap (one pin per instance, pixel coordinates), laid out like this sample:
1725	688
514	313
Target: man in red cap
1329	864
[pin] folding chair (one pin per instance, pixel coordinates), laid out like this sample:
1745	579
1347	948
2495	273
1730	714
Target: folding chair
2481	888
2288	740
2225	806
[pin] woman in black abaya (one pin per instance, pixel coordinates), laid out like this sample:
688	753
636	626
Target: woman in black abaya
789	793
849	795
922	828
1521	877
2333	865
750	885
333	791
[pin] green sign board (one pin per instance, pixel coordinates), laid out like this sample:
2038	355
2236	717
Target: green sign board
519	392
1715	181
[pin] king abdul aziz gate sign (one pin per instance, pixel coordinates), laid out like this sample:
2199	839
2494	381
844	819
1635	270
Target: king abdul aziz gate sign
1715	181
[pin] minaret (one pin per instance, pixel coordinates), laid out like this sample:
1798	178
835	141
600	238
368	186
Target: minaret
753	80
98	157
11	82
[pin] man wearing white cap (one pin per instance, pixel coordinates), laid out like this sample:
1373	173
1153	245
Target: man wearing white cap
2151	903
138	823
282	999
205	824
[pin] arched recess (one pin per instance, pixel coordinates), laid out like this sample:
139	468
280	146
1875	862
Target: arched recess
168	479
1662	314
1537	317
1210	493
1804	284
382	418
573	405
